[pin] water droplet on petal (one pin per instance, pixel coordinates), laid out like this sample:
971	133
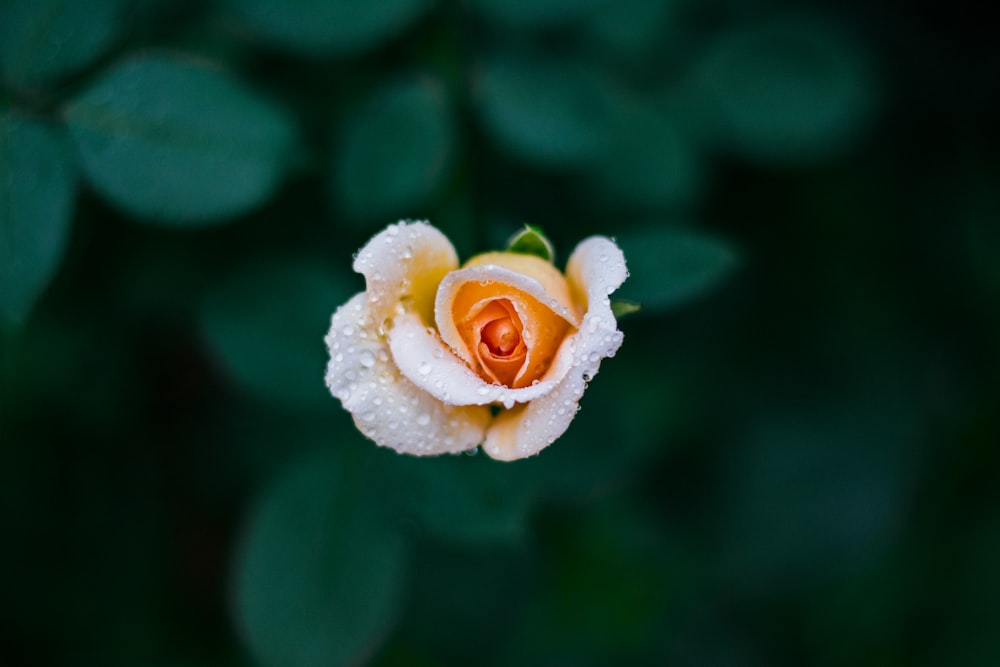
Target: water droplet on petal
367	359
347	330
424	419
424	368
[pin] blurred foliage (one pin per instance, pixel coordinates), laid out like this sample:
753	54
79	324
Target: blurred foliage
792	460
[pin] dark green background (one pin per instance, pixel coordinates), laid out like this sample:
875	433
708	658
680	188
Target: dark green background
792	460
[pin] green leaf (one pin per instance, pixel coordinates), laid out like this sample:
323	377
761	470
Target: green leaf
327	27
535	12
672	266
551	112
37	187
631	28
623	308
394	152
43	40
785	91
532	241
649	162
266	322
179	143
319	572
495	498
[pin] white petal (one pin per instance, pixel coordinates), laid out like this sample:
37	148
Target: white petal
403	266
431	365
387	407
596	268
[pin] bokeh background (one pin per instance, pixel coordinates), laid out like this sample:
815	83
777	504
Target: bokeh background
792	460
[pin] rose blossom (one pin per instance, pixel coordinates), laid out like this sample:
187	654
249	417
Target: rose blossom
423	354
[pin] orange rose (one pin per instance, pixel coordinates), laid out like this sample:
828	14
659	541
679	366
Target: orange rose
419	357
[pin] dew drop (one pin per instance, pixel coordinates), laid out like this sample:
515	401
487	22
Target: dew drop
423	419
348	330
367	359
368	416
482	391
338	357
424	368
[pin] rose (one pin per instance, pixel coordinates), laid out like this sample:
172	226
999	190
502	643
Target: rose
423	354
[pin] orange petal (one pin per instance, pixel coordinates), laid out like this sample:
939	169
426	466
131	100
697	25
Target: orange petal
541	331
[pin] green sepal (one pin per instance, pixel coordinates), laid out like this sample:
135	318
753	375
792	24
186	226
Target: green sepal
531	241
622	308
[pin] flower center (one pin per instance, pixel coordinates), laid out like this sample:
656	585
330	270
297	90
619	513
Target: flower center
501	337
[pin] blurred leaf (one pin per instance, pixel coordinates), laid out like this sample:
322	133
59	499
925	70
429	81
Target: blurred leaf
669	267
394	152
648	164
326	27
37	186
456	587
547	111
785	90
266	324
531	241
608	596
630	28
42	40
319	571
176	142
467	498
536	12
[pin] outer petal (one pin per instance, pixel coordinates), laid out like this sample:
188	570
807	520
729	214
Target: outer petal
432	366
595	270
387	407
403	266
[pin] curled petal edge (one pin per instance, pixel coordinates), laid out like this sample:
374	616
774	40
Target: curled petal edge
424	359
386	407
595	270
403	264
